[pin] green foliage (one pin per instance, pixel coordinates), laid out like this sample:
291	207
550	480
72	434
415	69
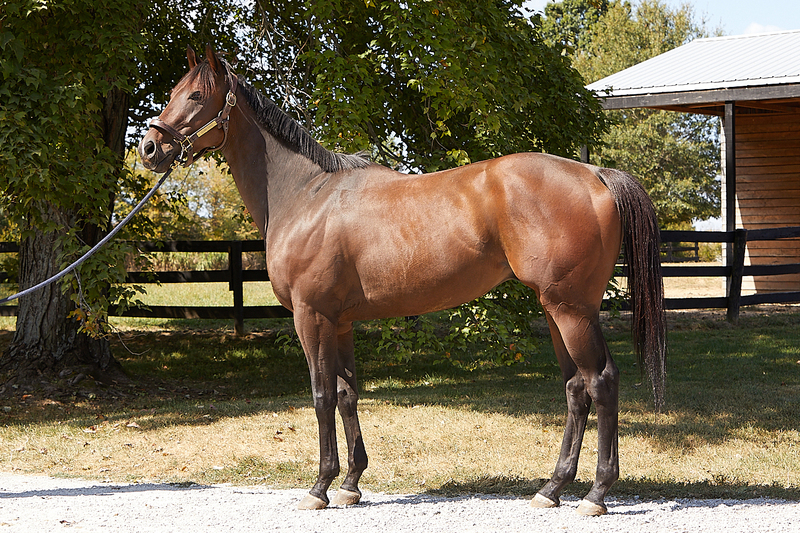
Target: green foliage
496	330
615	295
676	158
493	331
57	169
569	22
430	85
196	203
401	339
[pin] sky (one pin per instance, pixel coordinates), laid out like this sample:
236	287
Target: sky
734	17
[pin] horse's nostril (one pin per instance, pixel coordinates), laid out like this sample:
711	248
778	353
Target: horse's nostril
149	149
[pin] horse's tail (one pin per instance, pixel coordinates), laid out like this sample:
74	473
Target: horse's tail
642	241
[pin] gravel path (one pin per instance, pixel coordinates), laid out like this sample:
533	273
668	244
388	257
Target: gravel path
36	503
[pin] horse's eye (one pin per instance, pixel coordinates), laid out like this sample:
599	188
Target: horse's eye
196	96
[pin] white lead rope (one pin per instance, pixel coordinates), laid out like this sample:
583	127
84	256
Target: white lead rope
96	247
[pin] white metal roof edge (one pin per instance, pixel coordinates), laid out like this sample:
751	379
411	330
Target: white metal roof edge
643	71
744	36
735	84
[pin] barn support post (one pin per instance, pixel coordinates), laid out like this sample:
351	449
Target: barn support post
236	285
736	273
729	192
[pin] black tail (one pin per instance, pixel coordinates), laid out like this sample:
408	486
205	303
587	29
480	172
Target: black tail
642	241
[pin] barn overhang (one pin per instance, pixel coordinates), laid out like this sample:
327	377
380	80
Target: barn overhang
770	98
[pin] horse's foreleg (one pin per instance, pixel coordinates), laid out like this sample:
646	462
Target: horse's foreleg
318	337
578	403
347	392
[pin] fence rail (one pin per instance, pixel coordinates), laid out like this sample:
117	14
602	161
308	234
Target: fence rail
236	276
734	272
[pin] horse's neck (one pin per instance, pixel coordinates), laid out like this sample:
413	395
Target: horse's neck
267	173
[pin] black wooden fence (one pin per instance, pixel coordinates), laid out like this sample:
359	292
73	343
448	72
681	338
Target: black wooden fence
236	276
733	272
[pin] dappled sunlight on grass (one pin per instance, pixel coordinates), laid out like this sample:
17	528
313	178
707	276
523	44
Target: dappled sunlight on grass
210	294
211	407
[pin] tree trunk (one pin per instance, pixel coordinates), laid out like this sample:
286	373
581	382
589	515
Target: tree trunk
48	352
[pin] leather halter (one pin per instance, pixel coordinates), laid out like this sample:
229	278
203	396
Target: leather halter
187	155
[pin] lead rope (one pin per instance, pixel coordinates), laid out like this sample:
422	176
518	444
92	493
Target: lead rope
186	158
100	244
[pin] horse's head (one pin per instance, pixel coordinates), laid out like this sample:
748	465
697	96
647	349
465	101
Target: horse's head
195	120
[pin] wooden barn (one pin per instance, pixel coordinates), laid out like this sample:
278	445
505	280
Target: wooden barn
753	83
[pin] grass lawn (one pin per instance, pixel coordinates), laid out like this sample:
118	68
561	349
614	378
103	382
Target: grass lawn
206	406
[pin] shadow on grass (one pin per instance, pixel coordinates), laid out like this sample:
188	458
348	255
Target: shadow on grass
644	489
721	378
732	377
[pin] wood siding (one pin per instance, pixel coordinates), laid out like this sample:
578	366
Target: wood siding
768	192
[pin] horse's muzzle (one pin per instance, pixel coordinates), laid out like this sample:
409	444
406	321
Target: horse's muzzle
155	155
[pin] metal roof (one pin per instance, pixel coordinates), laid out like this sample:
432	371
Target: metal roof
709	64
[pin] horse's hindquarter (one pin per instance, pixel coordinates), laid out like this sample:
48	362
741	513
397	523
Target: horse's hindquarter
562	233
379	243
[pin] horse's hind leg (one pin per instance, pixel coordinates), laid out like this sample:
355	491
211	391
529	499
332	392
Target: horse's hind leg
596	378
347	391
578	403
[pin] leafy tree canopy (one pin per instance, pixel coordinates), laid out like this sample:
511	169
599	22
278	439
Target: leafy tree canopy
429	84
570	22
60	140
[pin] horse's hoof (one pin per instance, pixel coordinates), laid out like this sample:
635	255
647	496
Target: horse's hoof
587	508
543	502
312	502
346	497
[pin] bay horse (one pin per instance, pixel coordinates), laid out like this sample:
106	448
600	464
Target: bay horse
349	240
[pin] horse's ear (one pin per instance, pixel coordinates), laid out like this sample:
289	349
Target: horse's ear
191	56
213	60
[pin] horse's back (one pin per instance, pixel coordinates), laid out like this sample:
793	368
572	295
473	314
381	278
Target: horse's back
381	243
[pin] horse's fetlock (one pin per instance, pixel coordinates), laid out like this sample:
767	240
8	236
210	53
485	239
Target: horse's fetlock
329	471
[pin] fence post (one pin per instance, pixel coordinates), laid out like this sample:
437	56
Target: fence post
236	285
737	271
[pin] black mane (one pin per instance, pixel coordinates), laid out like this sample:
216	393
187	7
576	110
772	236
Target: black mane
285	128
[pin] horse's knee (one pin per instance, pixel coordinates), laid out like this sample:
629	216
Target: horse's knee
324	402
576	386
577	396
